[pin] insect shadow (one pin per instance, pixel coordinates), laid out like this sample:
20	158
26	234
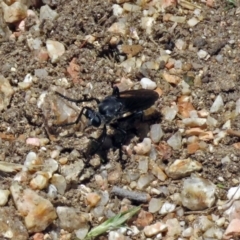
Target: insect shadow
116	110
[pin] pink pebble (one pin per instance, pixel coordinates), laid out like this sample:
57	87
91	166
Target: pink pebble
33	141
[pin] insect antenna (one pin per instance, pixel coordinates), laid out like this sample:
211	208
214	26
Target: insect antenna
78	100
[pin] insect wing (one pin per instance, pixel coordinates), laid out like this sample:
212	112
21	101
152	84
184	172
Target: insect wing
137	100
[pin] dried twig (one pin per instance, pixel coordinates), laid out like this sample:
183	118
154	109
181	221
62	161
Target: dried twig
132	195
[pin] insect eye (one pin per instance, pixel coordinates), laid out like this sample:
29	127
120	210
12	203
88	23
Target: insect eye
96	121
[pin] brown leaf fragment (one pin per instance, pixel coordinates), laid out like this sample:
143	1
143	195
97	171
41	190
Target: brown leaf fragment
130	50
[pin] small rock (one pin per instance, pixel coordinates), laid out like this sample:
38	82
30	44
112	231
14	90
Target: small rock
155	204
144	147
71	219
174	229
154	229
234	193
199	42
194	122
167	207
47	13
151	66
144	181
34	43
147	83
40	181
72	171
171	78
233	229
4	194
104	198
92	199
11	227
114	235
82	231
238	106
40	73
33	162
175	141
180	44
117	10
37	212
204	223
131	7
213	233
157	171
170	112
202	54
52	191
219	137
188	232
15	12
184	108
4	29
192	22
183	168
198	193
50	166
6	92
55	50
59	182
33	141
147	23
144	218
41	54
129	64
156	133
24	85
178	65
38	236
115	175
212	122
118	28
217	105
143	164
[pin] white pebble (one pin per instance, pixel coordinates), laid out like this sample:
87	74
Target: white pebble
4	194
178	64
180	44
192	22
156	133
144	147
219	58
147	83
117	10
47	13
238	106
167	208
55	50
175	141
202	54
28	78
187	232
217	105
170	112
147	23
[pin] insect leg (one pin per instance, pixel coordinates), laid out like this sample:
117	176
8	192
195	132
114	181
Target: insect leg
78	100
101	138
77	120
116	91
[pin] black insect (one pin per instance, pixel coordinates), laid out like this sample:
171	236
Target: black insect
111	110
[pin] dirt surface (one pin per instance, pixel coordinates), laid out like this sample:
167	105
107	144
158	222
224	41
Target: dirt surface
99	65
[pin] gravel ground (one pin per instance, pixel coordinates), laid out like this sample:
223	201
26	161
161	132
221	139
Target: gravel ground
177	172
